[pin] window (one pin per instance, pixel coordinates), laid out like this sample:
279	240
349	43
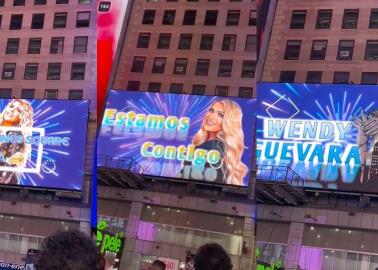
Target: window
133	85
221	91
83	19
159	65
252	18
31	71
15	22
149	16
211	17
169	17
198	89
62	1
12	46
39	2
154	87
138	64
350	19
206	42
369	78
229	42
233	17
314	77
27	93
51	94
249	69
80	45
245	92
176	88
18	2
53	71
292	50
164	41
38	21
371	52
2	3
341	77
185	41
143	40
75	94
298	19
5	93
9	70
1	18
34	46
180	65
60	20
250	43
318	51
57	44
78	71
189	17
373	22
85	1
287	76
345	51
202	68
323	21
225	68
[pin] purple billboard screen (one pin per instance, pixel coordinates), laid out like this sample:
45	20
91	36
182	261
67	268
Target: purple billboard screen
42	143
328	134
180	136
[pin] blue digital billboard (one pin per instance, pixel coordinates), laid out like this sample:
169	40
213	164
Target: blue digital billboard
328	134
180	136
42	143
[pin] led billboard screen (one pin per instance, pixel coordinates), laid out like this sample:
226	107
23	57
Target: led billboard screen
328	134
42	143
180	136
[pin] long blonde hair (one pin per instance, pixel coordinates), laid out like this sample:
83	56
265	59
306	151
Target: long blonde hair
232	137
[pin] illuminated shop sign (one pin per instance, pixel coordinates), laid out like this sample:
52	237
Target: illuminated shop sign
181	136
328	134
42	143
110	244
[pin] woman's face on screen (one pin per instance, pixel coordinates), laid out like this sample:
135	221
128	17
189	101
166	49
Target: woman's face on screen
214	118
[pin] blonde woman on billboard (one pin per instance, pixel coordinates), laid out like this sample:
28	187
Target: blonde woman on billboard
17	113
222	130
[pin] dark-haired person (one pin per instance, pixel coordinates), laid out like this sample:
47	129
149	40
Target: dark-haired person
212	257
71	250
157	265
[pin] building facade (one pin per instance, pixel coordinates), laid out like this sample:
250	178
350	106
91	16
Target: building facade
48	51
322	42
195	47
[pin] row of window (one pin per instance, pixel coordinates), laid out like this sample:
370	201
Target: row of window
338	77
49	93
53	71
38	20
324	19
197	89
211	16
206	43
202	67
56	45
17	3
319	49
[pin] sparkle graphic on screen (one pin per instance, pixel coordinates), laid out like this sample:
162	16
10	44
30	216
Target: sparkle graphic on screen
177	105
345	109
44	116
